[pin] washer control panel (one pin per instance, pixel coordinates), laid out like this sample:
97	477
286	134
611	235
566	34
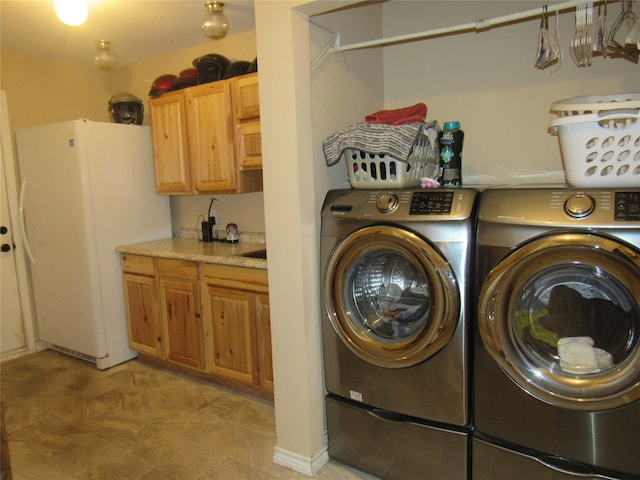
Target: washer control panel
431	203
387	202
579	205
401	205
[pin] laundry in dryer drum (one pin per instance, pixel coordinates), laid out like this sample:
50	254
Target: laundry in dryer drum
572	315
569	315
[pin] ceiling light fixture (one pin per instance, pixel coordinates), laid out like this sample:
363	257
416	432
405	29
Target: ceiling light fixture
71	12
215	24
104	58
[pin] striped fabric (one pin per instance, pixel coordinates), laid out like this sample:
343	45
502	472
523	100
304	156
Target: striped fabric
377	139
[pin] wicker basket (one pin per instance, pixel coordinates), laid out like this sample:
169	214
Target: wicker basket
600	141
368	170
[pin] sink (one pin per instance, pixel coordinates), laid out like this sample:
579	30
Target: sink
262	253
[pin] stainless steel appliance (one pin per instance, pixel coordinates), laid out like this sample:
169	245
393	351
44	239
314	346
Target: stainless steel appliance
557	351
395	331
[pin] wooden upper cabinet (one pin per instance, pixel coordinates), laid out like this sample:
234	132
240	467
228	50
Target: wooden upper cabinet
249	145
211	137
202	144
170	143
246	97
246	105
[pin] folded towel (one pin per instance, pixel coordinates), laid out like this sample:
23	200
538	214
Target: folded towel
377	139
578	355
399	116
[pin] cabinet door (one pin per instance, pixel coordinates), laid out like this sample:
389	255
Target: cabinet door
232	333
249	145
182	321
168	118
211	138
143	320
263	340
246	97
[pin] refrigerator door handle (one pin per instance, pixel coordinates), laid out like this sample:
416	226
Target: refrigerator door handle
25	240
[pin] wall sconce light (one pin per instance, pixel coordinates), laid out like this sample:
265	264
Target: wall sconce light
71	12
215	24
103	57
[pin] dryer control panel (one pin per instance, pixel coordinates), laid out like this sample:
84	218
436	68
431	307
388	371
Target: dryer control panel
627	206
594	208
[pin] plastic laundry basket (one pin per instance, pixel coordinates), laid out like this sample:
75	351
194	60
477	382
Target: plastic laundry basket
600	141
367	170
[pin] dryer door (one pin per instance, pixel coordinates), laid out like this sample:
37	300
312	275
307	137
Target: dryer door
391	296
560	315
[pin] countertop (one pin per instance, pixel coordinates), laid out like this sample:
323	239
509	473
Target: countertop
196	250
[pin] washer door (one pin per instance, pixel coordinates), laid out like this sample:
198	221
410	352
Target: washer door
560	315
391	297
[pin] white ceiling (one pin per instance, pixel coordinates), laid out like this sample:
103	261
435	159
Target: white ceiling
138	29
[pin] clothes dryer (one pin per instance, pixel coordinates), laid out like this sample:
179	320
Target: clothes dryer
395	333
557	351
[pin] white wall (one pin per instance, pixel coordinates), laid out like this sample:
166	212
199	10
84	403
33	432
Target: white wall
299	107
40	91
487	81
138	78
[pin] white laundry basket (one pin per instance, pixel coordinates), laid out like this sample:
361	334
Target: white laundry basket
367	170
599	140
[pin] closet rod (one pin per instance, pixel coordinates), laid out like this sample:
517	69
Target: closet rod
478	25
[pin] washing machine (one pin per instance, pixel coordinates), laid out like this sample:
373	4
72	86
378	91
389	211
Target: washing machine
395	269
557	350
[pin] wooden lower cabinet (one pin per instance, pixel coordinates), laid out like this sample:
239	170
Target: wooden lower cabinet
181	312
236	305
213	319
141	300
231	338
263	344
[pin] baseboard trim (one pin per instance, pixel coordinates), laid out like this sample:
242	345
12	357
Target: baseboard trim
298	463
23	351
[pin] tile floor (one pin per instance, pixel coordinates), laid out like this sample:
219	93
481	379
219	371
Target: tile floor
66	420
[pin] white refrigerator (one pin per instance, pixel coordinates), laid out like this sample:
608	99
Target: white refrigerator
86	187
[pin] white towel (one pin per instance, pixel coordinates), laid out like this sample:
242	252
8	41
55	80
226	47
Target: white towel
578	355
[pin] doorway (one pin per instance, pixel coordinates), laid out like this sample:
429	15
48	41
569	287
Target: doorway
16	325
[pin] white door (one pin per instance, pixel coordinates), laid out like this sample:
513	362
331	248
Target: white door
11	330
16	325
